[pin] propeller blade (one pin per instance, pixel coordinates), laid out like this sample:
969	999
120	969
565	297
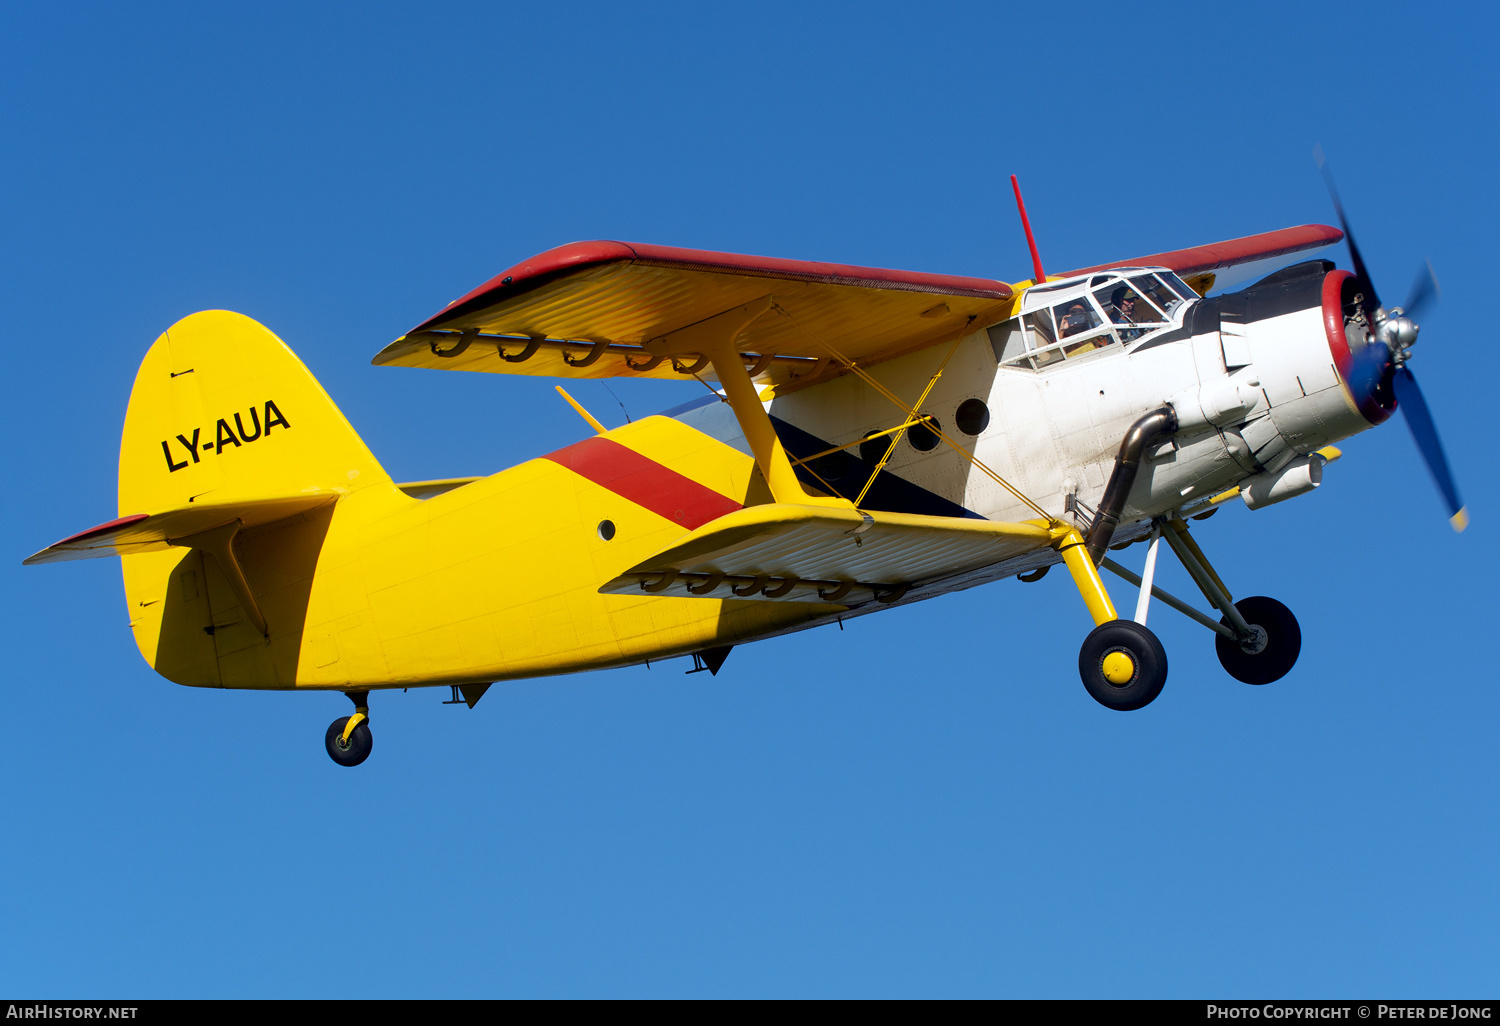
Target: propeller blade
1425	289
1373	303
1369	371
1424	431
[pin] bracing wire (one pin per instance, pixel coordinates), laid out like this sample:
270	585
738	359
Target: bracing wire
911	414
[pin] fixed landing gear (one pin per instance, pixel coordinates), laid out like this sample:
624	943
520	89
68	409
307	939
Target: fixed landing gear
1258	638
1122	664
1272	649
348	738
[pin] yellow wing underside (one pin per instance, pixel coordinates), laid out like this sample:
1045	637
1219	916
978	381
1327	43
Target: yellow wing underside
602	323
793	553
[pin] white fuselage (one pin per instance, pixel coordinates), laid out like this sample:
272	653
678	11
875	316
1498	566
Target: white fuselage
1250	398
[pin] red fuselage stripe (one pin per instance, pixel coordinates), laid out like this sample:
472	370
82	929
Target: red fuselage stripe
644	482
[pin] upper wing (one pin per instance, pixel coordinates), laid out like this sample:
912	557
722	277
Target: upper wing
1224	264
585	309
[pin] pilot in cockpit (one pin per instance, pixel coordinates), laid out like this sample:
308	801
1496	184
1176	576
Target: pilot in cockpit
1121	310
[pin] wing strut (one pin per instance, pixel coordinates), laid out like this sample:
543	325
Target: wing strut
219	543
714	339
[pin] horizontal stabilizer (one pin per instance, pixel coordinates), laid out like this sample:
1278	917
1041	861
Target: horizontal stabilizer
151	532
794	553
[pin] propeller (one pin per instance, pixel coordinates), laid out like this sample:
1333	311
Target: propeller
1380	367
1338	208
1411	402
1425	289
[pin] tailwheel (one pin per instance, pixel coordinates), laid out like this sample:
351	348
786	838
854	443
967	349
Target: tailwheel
1272	650
348	739
1122	664
351	750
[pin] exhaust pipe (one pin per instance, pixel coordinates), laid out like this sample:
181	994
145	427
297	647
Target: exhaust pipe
1142	433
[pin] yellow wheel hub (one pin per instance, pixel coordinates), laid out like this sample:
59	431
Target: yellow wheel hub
1118	668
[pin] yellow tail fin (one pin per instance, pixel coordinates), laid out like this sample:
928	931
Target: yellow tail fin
231	462
222	411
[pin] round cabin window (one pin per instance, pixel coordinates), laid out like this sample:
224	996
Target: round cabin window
923	436
972	417
872	450
831	468
606	530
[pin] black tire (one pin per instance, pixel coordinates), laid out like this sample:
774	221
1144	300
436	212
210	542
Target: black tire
358	748
1148	663
1274	659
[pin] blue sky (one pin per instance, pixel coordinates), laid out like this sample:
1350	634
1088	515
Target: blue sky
925	803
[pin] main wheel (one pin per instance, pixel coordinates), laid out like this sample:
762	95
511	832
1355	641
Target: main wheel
1122	665
354	751
1274	649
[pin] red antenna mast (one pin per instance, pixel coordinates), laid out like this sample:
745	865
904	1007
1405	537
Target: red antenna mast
1036	258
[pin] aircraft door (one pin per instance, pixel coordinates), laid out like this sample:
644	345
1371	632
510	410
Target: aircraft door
1202	322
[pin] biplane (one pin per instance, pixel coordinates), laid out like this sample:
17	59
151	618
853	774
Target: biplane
866	438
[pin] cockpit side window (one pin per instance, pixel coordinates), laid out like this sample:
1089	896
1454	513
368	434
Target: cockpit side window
1009	341
1163	298
1082	327
1039	326
1046	356
1075	317
1125	308
1182	288
1048	336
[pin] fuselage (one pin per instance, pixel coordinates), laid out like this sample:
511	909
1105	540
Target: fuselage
499	579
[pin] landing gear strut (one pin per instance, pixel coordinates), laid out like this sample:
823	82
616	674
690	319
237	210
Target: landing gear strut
348	739
1122	664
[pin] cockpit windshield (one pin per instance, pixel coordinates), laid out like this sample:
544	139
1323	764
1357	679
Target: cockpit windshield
1155	290
1068	319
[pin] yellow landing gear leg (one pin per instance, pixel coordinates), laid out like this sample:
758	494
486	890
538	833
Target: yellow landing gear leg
1122	663
348	739
1075	553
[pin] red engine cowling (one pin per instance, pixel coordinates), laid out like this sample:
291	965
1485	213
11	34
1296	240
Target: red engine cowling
1364	364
